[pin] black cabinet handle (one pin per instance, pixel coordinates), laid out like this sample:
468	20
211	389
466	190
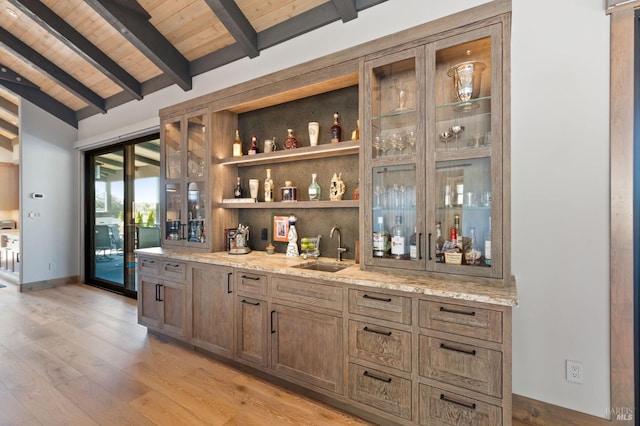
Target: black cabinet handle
160	293
246	302
245	277
384	333
272	329
173	265
379	299
450	348
157	292
429	241
373	376
229	275
455	311
145	261
420	245
443	397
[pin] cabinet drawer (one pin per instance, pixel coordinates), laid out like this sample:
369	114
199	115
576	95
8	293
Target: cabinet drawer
380	390
148	266
464	320
251	283
439	407
383	345
174	270
462	365
310	293
380	305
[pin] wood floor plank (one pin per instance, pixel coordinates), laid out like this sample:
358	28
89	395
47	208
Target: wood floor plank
101	405
164	411
11	410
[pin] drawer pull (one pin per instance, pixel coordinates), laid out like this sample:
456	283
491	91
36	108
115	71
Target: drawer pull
449	348
173	265
373	376
379	299
245	277
229	275
160	299
445	398
384	333
150	262
250	303
455	311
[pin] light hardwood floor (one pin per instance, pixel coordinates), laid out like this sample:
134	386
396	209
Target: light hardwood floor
74	355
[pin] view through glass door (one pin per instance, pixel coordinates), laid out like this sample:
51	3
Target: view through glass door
122	211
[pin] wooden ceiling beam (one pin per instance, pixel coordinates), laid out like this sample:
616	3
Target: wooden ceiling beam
136	28
9	127
71	38
8	106
36	60
5	143
237	24
308	21
29	91
346	9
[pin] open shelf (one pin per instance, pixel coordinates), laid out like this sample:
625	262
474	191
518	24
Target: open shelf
304	153
294	205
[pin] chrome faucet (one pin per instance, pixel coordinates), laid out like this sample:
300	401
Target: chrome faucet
340	248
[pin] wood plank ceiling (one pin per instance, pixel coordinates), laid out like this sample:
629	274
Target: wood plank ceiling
78	58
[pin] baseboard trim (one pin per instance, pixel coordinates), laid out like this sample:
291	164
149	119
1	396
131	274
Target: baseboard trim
541	413
41	285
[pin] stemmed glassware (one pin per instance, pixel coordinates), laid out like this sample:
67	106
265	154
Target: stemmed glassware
456	131
411	140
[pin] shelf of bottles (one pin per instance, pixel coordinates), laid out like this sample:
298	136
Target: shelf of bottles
185	180
394	212
463	148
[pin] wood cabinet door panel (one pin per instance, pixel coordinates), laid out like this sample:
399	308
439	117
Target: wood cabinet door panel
438	407
173	307
382	345
467	366
148	305
251	323
212	308
308	346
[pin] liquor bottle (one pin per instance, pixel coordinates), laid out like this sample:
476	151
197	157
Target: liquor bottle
456	221
413	248
487	245
237	192
237	145
253	149
398	239
336	130
381	242
314	189
268	187
290	142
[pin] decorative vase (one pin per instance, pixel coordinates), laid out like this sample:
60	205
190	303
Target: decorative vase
292	236
314	131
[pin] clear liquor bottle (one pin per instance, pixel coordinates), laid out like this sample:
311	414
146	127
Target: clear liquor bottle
398	244
314	189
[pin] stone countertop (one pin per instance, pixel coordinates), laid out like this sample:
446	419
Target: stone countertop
463	288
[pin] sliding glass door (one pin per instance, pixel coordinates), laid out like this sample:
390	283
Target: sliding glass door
122	202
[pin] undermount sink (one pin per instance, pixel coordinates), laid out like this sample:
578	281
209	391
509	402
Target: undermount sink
322	266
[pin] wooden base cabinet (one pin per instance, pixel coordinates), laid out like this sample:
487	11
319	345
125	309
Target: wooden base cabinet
212	301
162	302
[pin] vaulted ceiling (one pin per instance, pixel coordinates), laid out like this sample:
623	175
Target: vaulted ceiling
78	58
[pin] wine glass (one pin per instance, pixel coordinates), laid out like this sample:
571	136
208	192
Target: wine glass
456	131
377	144
445	137
411	140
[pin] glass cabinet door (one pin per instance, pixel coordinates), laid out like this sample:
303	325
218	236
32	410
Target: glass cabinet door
466	188
394	149
186	157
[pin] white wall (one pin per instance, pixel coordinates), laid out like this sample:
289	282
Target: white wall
560	160
49	165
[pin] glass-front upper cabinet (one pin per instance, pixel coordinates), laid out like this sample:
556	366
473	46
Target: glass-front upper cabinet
395	159
185	181
433	156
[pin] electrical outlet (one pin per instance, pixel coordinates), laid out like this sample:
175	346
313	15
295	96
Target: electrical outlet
574	371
